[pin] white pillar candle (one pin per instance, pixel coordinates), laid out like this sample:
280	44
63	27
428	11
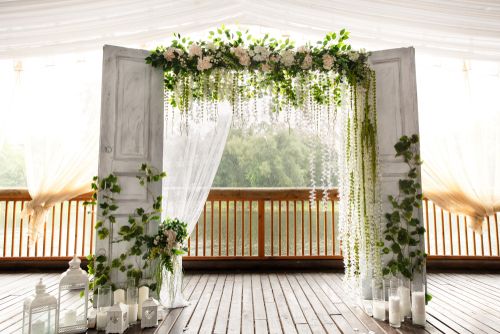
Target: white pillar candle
404	294
69	318
38	327
119	296
143	295
418	308
102	320
132	313
379	310
394	311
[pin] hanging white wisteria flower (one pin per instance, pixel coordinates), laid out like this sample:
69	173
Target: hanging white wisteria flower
309	86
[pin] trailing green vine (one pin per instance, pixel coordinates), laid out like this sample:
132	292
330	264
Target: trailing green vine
403	230
99	266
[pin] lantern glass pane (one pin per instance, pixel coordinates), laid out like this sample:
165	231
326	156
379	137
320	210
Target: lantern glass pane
43	320
72	306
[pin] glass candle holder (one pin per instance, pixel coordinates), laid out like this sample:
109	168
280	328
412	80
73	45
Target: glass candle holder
394	303
132	301
404	295
418	304
378	295
104	297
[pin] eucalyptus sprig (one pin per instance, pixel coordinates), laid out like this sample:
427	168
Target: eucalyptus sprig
403	230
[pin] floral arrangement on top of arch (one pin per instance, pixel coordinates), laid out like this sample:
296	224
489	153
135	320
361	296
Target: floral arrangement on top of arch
326	87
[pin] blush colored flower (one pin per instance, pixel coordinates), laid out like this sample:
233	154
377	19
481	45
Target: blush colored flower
204	63
307	62
287	58
328	61
265	67
195	51
169	54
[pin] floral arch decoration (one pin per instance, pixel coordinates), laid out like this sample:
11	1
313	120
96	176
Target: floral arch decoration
326	87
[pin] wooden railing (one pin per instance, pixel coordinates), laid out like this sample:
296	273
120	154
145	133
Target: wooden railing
240	224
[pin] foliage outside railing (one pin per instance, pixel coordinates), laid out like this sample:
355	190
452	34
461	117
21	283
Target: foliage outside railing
69	229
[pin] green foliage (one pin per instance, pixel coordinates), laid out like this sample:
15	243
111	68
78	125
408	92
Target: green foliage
403	231
105	190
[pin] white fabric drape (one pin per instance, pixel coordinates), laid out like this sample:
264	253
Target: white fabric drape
191	161
462	28
459	108
60	106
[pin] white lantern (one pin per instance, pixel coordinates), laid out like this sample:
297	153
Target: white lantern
73	299
117	318
40	312
149	313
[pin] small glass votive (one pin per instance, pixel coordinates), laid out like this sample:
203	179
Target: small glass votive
378	295
394	303
132	300
103	304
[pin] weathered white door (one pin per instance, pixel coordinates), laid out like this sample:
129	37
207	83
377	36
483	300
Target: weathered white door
397	115
131	134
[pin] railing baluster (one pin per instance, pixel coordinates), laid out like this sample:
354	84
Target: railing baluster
466	236
243	228
92	221
489	234
325	236
310	230
435	229
212	228
197	244
204	229
5	229
317	229
227	228
250	229
427	225
53	234
68	228
333	226
287	228
279	229
13	227
482	243
60	229
220	228
21	231
261	241
44	236
272	227
497	234
84	230
76	226
451	233
302	234
442	231
234	228
295	228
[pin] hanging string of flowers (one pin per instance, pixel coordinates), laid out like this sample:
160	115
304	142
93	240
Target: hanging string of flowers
326	88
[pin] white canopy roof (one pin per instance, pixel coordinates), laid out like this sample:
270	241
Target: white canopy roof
464	28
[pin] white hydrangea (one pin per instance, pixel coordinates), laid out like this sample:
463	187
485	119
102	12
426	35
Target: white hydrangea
211	46
204	63
169	54
195	51
353	55
328	61
307	62
287	58
261	53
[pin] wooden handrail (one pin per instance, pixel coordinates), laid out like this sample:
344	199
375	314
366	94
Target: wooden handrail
22	194
267	194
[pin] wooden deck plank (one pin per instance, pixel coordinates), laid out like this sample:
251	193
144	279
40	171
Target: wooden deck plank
290	303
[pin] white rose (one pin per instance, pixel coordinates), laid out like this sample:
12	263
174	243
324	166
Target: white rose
353	55
287	58
204	63
211	46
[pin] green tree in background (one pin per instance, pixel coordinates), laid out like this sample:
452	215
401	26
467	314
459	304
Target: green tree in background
267	158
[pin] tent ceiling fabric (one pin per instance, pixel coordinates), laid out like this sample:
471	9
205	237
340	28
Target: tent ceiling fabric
464	28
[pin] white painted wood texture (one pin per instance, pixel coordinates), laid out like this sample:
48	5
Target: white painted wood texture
397	115
131	134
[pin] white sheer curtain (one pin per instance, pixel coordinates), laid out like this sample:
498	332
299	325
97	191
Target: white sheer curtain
60	107
459	106
190	160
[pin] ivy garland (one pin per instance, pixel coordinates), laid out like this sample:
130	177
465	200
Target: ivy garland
403	230
99	266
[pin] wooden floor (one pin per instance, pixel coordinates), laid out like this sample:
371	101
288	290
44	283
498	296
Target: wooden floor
291	303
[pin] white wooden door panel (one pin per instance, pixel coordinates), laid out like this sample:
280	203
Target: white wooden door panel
131	134
397	115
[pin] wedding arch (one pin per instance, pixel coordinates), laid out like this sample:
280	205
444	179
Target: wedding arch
172	109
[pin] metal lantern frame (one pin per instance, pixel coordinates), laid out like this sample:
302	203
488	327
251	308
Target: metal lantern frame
41	302
150	310
75	278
